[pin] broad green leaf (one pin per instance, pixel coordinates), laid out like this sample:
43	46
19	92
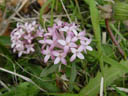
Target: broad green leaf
73	76
110	74
96	28
48	83
50	70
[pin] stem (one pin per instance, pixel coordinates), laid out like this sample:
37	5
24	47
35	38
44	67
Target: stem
113	38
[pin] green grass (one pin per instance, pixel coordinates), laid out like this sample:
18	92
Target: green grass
29	76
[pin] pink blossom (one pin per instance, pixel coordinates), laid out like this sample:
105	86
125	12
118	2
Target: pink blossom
47	54
60	57
22	37
85	43
57	42
67	43
77	53
80	36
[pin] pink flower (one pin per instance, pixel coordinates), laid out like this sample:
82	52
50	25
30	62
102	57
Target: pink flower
39	32
69	28
85	43
45	41
63	37
60	57
47	54
79	36
29	48
67	43
77	53
22	37
29	38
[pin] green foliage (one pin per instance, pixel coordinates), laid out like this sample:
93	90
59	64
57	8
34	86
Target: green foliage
110	74
5	40
24	89
120	11
83	77
72	77
48	71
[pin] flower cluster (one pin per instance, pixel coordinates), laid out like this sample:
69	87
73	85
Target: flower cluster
61	40
22	37
64	39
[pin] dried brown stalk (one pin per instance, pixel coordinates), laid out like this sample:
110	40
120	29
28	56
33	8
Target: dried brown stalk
113	38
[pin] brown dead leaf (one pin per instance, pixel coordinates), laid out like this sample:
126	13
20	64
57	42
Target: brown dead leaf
1	1
41	3
14	2
25	7
7	31
0	15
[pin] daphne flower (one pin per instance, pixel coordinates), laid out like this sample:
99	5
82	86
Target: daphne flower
67	43
22	37
77	53
29	38
69	28
30	48
39	32
85	43
60	57
46	41
47	54
79	36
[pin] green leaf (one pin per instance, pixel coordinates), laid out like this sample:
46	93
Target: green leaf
120	92
50	70
96	28
62	94
23	89
110	74
42	12
4	50
5	40
73	76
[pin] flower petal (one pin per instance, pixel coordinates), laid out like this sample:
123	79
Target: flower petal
73	57
46	58
89	48
72	45
66	48
63	61
74	39
41	41
68	39
57	60
20	53
49	41
75	32
73	50
82	33
81	48
62	42
64	29
55	53
80	55
85	42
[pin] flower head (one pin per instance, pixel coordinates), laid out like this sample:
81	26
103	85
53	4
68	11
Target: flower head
22	37
63	39
58	42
